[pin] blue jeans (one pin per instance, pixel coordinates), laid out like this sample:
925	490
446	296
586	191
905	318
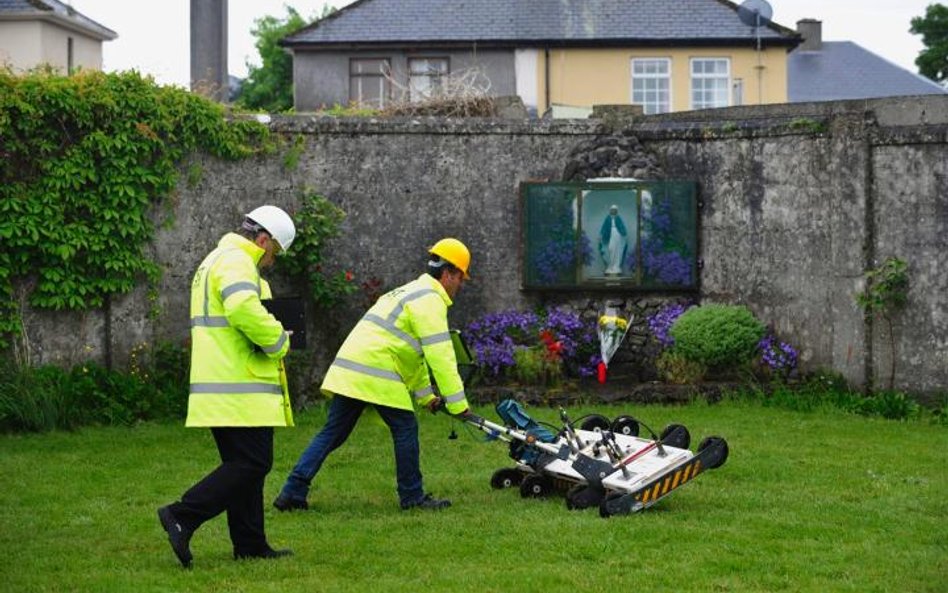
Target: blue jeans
343	414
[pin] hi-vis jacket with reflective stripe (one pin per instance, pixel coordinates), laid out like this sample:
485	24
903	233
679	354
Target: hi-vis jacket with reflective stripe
233	383
386	358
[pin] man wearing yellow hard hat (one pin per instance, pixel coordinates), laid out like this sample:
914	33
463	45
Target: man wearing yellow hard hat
385	362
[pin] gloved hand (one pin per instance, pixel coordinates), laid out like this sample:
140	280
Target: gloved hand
435	405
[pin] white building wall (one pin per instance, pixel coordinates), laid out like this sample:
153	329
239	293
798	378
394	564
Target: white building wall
28	44
525	71
20	44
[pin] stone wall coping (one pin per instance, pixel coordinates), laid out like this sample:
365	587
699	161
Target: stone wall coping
929	112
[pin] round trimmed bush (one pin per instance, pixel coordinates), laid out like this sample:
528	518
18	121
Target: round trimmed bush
717	335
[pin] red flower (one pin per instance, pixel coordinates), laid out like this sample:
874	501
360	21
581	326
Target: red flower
546	336
554	347
349	276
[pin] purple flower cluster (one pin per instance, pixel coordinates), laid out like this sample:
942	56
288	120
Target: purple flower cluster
586	250
495	336
779	356
660	323
668	267
591	367
665	259
553	258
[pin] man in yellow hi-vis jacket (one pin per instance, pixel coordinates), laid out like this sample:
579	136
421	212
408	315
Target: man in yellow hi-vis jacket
237	386
385	362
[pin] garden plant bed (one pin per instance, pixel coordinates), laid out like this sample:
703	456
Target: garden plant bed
612	392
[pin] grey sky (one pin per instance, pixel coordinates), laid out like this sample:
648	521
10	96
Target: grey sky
156	42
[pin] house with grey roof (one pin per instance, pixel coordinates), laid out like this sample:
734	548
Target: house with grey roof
38	32
820	70
664	56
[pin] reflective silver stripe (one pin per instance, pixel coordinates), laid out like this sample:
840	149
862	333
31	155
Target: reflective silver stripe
428	340
238	287
366	370
423	392
454	397
236	388
390	328
276	347
408	297
210	321
207	272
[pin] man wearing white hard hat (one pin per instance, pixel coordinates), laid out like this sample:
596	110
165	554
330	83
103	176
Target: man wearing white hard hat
237	386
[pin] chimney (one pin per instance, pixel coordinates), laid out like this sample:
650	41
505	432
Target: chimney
812	32
209	48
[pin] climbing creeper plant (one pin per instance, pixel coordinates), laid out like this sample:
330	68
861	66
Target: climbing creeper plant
886	293
317	222
84	161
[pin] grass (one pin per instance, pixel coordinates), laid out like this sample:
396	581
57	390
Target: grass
806	502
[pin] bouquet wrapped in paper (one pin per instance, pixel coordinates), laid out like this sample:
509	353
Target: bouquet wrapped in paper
612	329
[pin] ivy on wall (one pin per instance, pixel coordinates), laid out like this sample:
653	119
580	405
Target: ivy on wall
84	160
317	223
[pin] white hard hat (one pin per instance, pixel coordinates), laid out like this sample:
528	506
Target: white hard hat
276	222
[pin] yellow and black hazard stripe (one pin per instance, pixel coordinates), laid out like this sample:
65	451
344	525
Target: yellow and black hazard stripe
664	484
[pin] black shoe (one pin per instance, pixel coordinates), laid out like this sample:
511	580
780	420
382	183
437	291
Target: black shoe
428	503
178	536
268	554
285	503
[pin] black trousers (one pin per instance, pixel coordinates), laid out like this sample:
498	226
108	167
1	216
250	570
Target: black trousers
235	486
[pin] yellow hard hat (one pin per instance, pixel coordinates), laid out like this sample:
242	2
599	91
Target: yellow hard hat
454	252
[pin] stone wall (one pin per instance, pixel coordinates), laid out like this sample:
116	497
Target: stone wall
798	200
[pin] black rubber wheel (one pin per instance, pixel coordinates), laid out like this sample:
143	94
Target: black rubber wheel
676	435
626	425
536	486
506	477
604	511
583	496
716	460
595	423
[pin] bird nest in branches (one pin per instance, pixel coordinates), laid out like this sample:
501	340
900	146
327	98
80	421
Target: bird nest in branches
465	93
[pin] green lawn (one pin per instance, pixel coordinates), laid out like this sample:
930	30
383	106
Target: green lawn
806	502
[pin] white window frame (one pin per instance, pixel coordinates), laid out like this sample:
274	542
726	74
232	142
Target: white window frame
421	84
646	105
365	78
722	91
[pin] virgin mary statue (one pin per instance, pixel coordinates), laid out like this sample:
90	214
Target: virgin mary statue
613	242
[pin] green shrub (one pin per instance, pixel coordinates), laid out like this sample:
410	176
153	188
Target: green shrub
50	398
893	405
677	369
534	366
827	389
37	400
940	412
717	336
166	368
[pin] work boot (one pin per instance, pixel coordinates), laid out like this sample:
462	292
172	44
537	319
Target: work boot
178	536
285	503
427	503
266	554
